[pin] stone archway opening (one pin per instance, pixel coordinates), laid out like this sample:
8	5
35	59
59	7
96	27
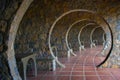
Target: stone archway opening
106	28
88	29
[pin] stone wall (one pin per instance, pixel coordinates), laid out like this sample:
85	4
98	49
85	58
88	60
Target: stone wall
33	32
113	61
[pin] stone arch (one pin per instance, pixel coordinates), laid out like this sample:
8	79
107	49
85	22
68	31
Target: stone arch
12	34
66	36
91	39
107	27
79	35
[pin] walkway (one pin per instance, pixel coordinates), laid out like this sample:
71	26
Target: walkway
81	67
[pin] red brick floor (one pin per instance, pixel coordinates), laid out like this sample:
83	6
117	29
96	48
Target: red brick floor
81	67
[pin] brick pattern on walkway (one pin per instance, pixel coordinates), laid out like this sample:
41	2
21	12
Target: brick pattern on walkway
81	67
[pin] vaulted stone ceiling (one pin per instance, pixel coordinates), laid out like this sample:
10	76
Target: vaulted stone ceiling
45	12
50	8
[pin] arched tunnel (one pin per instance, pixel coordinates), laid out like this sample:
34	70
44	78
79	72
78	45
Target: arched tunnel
59	40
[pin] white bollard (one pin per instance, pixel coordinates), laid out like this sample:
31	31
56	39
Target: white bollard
54	64
68	54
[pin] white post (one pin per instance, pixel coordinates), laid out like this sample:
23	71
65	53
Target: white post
54	64
68	54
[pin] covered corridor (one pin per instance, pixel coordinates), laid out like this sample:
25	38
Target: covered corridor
59	40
